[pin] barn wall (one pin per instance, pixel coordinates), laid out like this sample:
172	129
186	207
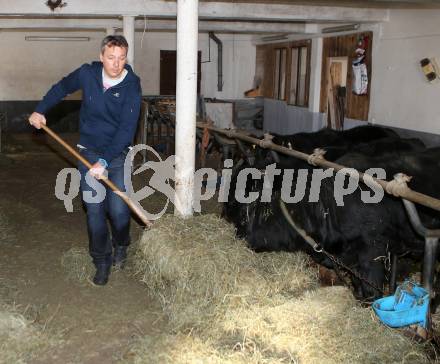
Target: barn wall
401	97
238	63
30	68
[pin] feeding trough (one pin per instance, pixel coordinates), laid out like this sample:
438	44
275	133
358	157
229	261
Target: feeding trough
408	306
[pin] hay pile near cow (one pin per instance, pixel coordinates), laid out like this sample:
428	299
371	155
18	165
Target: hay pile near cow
198	269
227	304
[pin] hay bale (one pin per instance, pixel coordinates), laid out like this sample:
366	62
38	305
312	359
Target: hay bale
20	340
197	266
78	265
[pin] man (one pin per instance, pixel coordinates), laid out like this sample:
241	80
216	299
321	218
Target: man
111	97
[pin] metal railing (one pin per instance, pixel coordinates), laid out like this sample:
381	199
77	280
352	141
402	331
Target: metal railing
407	193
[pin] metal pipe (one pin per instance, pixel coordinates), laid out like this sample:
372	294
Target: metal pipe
219	60
275	156
416	223
431	244
186	102
408	194
430	256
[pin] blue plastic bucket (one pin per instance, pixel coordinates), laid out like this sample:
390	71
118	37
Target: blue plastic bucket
408	306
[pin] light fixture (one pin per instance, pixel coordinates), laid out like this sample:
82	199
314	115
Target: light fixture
341	28
269	38
37	38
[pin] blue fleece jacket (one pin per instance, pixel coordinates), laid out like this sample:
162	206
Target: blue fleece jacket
108	119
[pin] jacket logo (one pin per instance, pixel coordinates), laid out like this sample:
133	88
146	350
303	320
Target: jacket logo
116	94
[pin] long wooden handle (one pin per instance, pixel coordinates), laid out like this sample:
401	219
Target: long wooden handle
109	183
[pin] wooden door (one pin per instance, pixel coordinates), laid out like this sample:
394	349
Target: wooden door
336	77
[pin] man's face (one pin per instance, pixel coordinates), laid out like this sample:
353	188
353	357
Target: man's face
113	60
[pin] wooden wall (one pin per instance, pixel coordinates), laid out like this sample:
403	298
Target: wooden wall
264	71
344	46
341	46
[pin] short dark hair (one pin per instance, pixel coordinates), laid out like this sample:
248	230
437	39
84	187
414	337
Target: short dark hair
114	41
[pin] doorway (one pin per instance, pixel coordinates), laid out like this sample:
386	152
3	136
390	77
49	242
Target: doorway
336	76
168	67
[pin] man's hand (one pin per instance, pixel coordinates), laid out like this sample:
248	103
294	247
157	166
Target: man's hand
37	120
98	171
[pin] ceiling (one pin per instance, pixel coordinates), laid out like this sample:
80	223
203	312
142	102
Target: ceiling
224	16
387	4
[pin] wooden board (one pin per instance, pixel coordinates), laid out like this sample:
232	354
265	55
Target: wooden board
335	80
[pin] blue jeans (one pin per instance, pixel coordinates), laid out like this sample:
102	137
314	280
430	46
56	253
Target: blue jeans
112	207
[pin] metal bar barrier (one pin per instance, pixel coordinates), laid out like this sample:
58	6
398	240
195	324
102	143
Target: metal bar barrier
407	194
431	245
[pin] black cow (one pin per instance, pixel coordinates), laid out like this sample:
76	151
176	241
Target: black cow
307	142
371	140
359	234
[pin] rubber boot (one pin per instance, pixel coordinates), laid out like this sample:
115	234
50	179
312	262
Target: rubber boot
102	274
120	256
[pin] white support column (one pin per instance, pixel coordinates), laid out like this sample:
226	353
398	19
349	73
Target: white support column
186	100
110	31
315	74
315	81
128	26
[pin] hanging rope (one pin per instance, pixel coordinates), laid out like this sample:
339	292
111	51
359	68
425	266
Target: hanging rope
266	142
398	186
318	154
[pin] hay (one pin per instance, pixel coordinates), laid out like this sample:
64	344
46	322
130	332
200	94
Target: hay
78	265
197	267
8	291
324	325
21	340
228	305
180	349
17	339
